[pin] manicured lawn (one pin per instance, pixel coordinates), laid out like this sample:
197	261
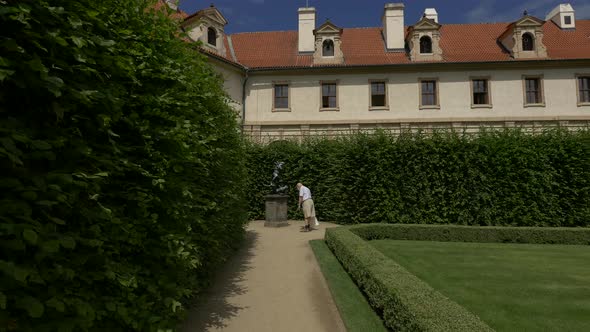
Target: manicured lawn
354	309
512	287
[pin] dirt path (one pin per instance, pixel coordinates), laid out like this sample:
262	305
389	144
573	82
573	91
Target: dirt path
272	284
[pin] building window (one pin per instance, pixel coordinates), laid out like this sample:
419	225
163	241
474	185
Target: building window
533	90
328	48
425	45
378	94
528	42
329	95
584	89
211	36
281	97
481	91
428	93
567	20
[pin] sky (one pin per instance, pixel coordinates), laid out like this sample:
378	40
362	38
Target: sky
280	15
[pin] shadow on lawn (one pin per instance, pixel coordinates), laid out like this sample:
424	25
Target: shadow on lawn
212	309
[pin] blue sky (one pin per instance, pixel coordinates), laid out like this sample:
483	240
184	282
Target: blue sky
276	15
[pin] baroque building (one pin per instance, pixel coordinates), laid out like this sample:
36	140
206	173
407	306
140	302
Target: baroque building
330	80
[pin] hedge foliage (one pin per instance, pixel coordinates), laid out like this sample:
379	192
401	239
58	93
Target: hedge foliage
496	178
405	302
122	167
480	234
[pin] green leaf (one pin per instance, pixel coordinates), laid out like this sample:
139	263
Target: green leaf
107	43
33	306
30	236
176	305
41	145
54	85
29	195
57	220
56	304
111	306
2	301
79	41
68	242
4	73
50	246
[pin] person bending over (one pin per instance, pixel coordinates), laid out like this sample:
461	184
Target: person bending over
306	203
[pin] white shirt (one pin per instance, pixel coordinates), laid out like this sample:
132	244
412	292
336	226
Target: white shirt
305	193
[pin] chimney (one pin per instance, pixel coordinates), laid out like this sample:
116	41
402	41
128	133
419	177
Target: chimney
394	31
563	15
431	13
173	4
306	27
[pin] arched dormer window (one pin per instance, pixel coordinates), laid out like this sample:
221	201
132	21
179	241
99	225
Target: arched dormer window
211	36
425	45
328	48
528	42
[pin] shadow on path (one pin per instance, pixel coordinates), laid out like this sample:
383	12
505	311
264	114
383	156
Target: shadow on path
212	309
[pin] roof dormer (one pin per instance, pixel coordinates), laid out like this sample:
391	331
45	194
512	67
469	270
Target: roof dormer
563	15
424	40
207	25
524	38
328	44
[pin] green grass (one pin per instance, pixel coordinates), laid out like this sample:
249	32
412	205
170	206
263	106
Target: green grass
512	287
354	309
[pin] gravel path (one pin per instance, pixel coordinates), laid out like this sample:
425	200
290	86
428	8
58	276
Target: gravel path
272	284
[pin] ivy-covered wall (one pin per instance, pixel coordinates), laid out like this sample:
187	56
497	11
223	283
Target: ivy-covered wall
122	168
496	178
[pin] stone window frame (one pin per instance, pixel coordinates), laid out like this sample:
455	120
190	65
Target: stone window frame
330	109
431	44
209	30
541	88
331	41
378	108
436	90
533	41
488	79
274	108
581	103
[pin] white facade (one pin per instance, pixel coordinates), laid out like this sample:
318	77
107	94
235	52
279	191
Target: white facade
403	96
507	106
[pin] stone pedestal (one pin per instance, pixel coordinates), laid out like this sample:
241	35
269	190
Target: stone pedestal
276	211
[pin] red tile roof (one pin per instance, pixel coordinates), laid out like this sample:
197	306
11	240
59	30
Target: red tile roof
223	56
365	46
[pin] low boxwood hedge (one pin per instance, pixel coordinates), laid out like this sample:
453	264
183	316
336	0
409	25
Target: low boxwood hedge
487	234
405	302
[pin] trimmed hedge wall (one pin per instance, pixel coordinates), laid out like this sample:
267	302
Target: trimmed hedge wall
486	234
122	168
405	302
506	178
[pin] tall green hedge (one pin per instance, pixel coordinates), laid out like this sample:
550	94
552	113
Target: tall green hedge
122	167
495	178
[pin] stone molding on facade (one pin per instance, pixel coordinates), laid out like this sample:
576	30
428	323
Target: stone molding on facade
328	31
197	27
512	38
425	27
